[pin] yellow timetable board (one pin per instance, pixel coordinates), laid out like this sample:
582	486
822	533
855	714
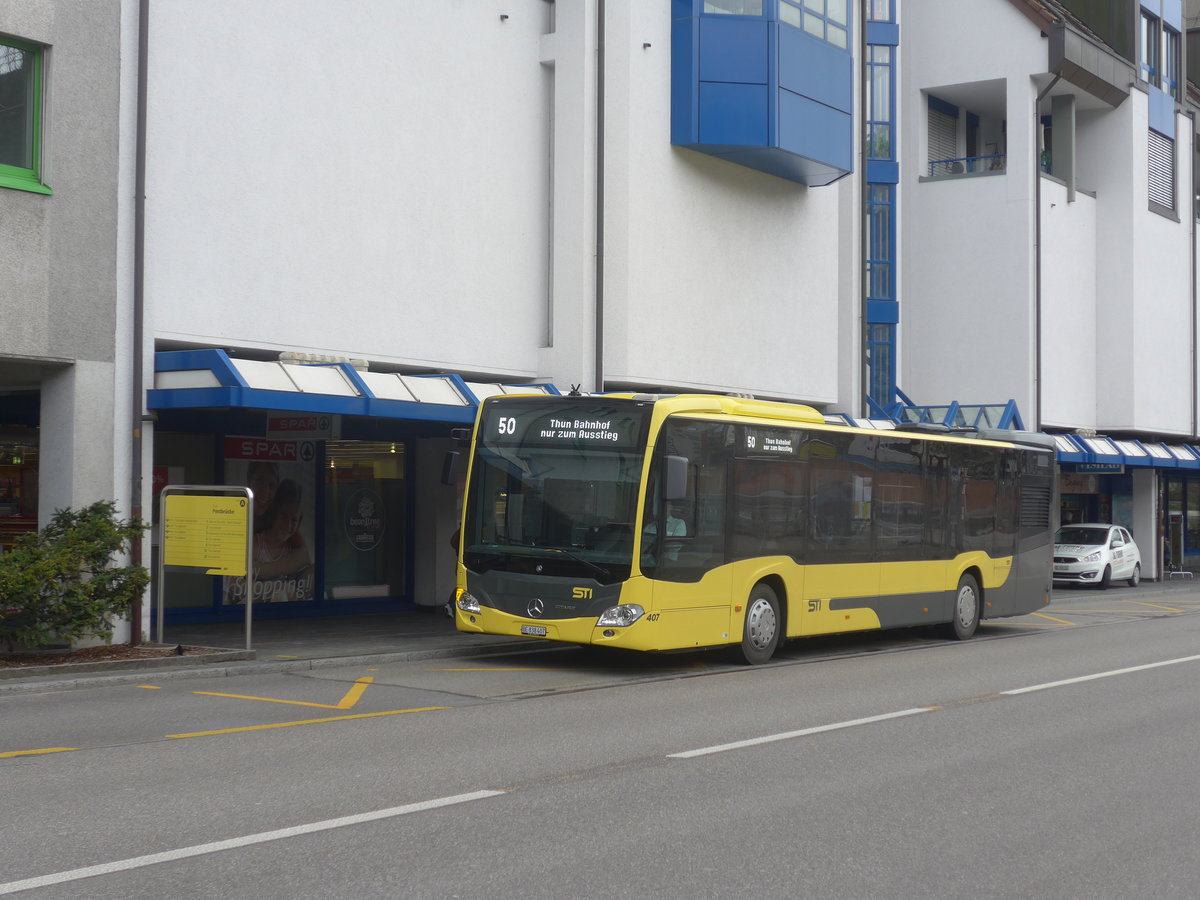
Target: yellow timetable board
206	532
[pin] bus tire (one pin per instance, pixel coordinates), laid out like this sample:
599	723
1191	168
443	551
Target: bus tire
966	609
760	632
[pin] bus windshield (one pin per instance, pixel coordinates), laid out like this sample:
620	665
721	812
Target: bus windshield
554	486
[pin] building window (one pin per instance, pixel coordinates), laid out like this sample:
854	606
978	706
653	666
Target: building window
1158	55
1162	170
734	7
828	20
881	216
879	102
20	115
962	142
944	158
1148	63
881	11
1170	62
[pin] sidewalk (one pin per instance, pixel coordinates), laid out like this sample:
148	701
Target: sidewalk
279	645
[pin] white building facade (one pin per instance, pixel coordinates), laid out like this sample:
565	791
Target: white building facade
320	250
1049	177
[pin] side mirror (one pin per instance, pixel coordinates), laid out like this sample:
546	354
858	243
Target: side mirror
450	467
675	477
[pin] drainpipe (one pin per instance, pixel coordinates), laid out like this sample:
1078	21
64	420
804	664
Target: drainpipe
1037	248
599	195
137	401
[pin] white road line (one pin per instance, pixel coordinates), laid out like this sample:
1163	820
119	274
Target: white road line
803	732
1109	674
139	862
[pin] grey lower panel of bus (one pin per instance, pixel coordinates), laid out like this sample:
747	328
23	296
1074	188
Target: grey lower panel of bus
559	598
1017	596
902	610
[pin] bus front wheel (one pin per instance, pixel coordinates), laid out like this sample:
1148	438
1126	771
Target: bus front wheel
966	608
760	634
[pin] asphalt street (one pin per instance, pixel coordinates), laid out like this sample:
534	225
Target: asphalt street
1049	758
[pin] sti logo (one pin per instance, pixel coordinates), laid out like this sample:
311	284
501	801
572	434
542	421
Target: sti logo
581	593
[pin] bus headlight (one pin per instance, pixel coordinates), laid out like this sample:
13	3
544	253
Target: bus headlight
467	602
620	616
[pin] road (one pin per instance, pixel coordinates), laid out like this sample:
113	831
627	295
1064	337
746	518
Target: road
1054	756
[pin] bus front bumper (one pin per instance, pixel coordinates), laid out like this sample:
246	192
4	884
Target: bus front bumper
640	635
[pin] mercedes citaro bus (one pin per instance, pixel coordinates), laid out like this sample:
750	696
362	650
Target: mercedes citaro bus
652	522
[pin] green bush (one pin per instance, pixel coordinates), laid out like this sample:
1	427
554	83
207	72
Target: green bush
61	585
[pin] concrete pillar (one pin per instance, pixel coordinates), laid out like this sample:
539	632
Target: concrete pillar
1062	141
1145	520
77	461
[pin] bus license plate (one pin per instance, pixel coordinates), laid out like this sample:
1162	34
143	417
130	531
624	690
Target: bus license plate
534	630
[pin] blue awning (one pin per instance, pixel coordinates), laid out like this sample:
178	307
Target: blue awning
210	379
1093	450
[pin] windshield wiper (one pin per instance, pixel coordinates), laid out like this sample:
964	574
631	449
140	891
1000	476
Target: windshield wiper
534	545
587	562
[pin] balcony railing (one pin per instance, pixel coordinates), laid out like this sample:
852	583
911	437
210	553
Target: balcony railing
967	165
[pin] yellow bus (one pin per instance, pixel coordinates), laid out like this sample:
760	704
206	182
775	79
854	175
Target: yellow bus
653	522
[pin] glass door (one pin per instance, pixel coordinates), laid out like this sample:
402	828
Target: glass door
366	519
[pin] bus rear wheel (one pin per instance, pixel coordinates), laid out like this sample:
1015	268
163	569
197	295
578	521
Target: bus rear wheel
760	634
966	609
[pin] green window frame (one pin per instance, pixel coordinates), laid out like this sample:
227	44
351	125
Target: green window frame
21	70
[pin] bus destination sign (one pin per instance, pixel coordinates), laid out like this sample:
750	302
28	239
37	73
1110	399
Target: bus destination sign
564	424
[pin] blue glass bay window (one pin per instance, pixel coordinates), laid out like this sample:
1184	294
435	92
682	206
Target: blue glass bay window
767	84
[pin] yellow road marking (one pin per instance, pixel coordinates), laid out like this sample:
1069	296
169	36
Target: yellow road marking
485	669
12	753
374	715
150	687
1112	612
1155	606
1052	619
352	697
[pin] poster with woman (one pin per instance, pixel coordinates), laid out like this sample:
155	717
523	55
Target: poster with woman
284	511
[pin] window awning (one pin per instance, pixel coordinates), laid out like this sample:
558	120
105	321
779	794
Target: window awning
210	379
1100	450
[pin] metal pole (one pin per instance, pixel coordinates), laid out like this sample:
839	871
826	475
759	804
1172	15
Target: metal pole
249	564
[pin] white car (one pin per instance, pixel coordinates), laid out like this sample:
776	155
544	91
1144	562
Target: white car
1096	553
